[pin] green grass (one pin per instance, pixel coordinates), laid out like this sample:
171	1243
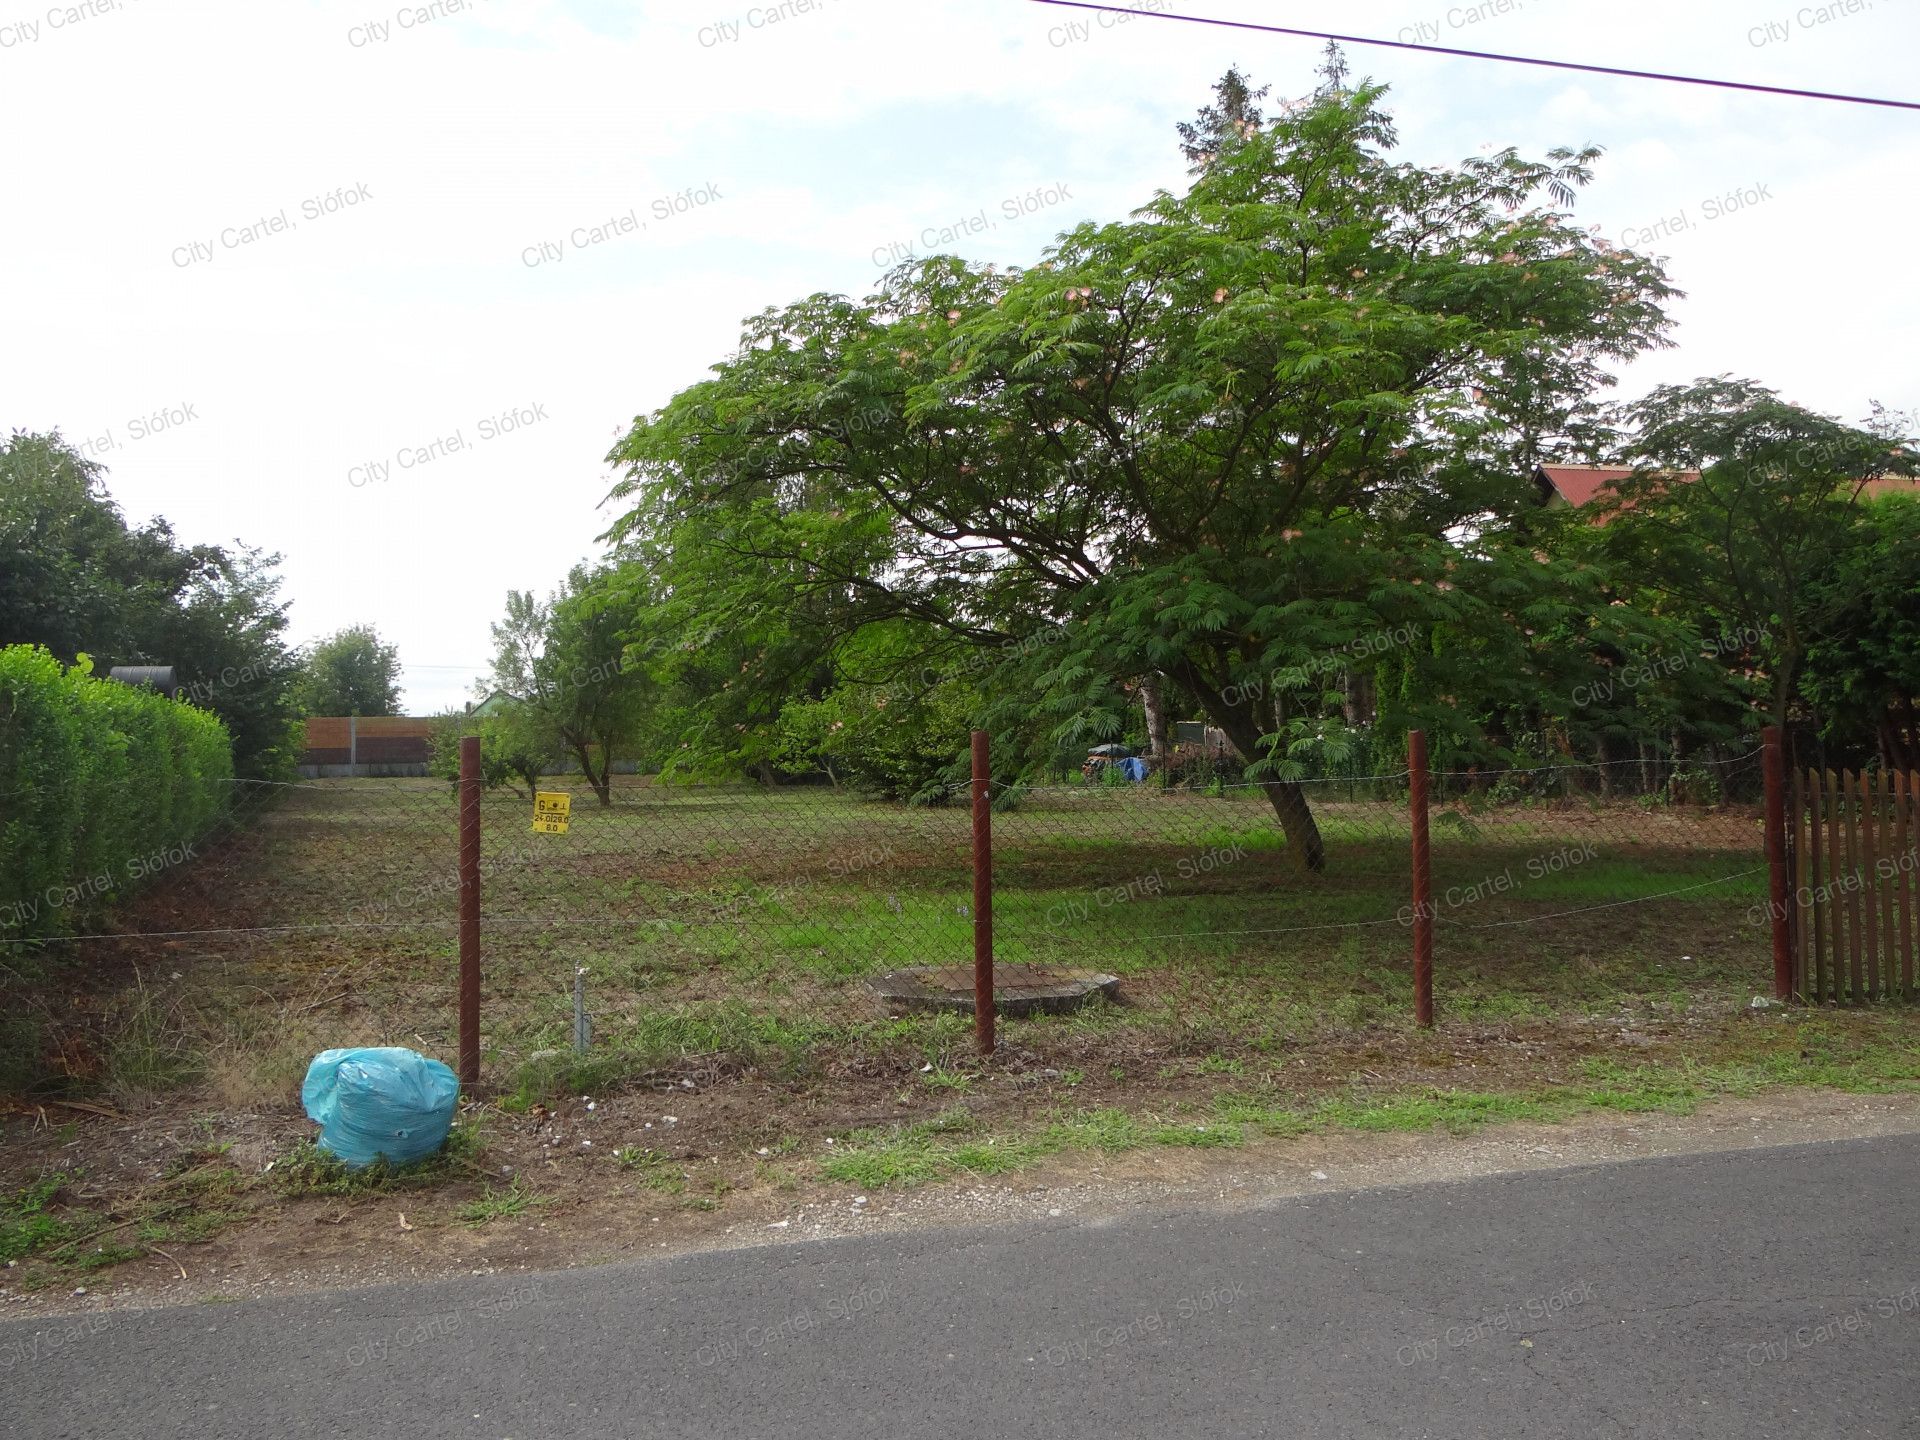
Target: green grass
906	1154
1458	1112
724	935
28	1223
1813	1053
728	924
655	1041
516	1199
308	1170
46	1236
936	1149
780	934
152	1046
657	1172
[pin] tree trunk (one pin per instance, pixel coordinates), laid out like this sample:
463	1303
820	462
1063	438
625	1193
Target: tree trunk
1357	698
1153	701
1240	722
603	782
1782	697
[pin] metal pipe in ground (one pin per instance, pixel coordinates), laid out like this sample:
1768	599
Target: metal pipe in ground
982	894
1422	879
582	1026
1774	770
469	1066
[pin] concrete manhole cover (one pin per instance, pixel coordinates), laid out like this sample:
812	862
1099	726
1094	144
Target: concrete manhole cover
1017	989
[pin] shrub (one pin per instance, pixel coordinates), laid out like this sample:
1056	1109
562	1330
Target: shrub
101	785
507	752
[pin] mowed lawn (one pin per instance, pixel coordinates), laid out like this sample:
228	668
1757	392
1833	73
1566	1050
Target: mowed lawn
745	922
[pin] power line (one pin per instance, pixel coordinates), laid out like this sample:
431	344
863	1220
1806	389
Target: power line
1487	55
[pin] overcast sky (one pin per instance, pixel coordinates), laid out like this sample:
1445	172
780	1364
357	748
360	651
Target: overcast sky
494	149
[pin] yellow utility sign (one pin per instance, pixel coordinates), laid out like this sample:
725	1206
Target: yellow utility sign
550	810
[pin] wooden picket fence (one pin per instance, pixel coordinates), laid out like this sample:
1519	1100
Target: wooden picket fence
1854	861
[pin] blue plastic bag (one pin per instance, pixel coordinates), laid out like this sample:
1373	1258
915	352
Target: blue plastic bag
387	1101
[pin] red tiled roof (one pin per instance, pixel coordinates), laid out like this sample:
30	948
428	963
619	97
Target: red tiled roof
1581	485
1578	484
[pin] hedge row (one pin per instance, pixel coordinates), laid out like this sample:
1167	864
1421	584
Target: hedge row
101	786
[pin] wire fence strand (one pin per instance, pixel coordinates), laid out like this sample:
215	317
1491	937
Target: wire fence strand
1194	915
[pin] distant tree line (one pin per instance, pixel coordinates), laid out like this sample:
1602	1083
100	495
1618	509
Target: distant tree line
76	579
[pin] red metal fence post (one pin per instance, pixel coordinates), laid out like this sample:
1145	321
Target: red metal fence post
982	895
470	913
1774	769
1422	880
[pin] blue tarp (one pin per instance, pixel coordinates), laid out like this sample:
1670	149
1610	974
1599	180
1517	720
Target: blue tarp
1134	769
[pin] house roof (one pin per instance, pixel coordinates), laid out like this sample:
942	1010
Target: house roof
494	703
1579	485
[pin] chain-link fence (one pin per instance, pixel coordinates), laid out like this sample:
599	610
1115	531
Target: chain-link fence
1561	888
808	928
312	914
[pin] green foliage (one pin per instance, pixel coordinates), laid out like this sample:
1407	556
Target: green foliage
351	672
1232	120
150	1046
309	1170
906	739
508	751
516	1199
580	693
655	1171
26	1221
75	578
23	1037
1863	670
105	785
69	559
1252	428
1760	546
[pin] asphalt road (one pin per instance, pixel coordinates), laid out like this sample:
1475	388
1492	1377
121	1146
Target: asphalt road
1750	1294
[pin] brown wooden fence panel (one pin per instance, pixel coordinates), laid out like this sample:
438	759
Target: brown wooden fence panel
1883	874
1888	884
1855	858
1817	876
1836	863
1849	900
1904	842
1806	963
1869	871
